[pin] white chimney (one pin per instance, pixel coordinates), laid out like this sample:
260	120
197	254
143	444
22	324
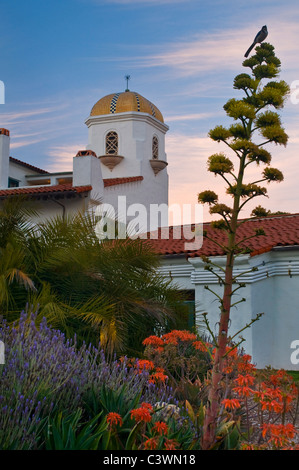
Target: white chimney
4	157
87	171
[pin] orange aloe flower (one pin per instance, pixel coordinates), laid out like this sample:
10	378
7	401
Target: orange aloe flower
114	419
231	403
153	341
243	391
171	444
160	428
147	406
245	380
151	444
141	414
157	377
200	346
145	364
279	434
175	335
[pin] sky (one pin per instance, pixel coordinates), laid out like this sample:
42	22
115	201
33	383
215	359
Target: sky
58	58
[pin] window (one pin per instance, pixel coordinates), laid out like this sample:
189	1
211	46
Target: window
12	183
112	143
189	302
155	148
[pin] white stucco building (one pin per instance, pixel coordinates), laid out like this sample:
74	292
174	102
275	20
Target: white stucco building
125	158
270	272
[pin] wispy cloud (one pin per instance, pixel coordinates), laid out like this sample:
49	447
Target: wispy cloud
209	51
23	116
188	117
24	143
61	157
38	122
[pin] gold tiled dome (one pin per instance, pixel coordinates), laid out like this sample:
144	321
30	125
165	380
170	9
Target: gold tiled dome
124	102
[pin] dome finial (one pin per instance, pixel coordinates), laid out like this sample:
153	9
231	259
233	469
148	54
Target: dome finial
127	77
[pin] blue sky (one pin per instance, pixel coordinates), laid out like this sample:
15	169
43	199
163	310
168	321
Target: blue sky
59	57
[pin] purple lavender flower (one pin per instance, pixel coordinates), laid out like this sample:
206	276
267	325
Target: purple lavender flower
44	372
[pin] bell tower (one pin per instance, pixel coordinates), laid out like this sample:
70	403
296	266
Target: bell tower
127	133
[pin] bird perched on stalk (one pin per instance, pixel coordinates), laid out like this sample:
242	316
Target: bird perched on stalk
260	37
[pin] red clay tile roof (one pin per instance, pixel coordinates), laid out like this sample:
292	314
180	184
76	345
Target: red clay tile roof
27	165
115	181
37	190
280	230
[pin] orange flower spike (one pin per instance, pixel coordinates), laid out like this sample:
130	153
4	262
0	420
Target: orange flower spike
160	427
231	403
171	444
158	377
175	335
160	369
243	391
145	364
200	346
245	380
141	414
114	419
279	434
153	341
151	444
147	406
232	352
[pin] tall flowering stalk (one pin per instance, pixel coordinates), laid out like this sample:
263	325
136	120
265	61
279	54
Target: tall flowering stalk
252	115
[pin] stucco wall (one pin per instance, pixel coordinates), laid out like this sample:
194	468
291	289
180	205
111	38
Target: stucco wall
272	289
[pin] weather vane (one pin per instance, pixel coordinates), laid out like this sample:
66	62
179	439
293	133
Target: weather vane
127	77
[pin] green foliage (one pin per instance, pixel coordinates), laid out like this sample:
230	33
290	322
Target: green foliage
219	224
243	81
220	164
275	134
207	197
259	211
259	155
238	131
67	432
239	109
106	292
271	95
219	133
268	118
221	209
249	190
272	174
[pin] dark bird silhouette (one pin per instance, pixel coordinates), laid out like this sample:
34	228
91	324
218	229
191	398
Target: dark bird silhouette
260	37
